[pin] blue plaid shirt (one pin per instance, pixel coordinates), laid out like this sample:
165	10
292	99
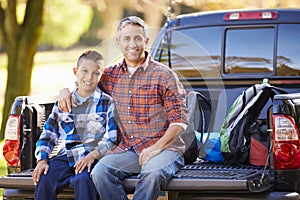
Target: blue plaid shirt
89	126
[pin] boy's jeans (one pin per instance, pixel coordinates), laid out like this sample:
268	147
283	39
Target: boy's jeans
111	170
60	176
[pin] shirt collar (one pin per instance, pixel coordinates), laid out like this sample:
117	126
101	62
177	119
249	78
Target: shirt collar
95	96
144	65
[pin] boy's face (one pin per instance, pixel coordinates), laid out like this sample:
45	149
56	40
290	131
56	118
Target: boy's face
88	75
132	43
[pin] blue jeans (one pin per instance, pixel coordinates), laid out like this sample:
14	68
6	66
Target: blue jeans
109	173
60	176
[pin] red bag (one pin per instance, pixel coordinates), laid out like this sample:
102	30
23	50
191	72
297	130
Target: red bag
259	149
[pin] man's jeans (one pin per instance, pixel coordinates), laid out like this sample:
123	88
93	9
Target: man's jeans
111	170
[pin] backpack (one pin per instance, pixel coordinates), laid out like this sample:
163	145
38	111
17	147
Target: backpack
210	148
196	123
242	124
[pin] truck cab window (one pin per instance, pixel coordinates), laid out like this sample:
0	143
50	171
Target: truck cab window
249	50
196	52
288	55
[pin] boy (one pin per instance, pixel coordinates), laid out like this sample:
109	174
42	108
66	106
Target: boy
87	132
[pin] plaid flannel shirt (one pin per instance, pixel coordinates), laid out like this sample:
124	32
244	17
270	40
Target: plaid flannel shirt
89	126
147	102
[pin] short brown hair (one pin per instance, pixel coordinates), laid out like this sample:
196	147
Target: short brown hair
91	55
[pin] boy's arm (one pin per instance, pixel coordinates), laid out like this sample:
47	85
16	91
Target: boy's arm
49	136
109	140
44	145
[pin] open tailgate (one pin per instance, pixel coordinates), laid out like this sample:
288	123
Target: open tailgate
210	177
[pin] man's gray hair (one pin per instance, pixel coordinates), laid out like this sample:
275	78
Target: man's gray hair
133	20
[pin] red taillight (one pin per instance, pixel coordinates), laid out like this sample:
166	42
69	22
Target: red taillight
11	148
250	15
286	146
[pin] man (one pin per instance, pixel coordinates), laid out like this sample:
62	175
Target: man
151	111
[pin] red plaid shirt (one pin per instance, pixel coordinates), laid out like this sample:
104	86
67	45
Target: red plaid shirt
147	102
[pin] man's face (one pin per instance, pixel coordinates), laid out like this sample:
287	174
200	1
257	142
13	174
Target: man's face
132	42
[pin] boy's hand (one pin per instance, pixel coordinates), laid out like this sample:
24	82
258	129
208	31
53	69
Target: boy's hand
41	167
87	161
65	100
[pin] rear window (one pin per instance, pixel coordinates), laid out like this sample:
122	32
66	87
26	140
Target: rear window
249	50
288	53
193	52
261	51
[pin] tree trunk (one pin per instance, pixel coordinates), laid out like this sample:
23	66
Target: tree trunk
21	42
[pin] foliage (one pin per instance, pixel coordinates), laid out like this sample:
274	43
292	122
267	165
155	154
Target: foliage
64	24
20	37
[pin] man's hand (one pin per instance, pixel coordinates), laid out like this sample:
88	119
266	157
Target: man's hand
65	100
41	167
147	154
84	162
170	135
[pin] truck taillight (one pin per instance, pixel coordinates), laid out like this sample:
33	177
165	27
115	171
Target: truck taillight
11	148
286	146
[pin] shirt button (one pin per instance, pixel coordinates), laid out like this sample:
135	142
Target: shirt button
128	107
126	149
129	122
131	136
129	91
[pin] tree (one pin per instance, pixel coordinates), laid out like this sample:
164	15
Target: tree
20	37
64	25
